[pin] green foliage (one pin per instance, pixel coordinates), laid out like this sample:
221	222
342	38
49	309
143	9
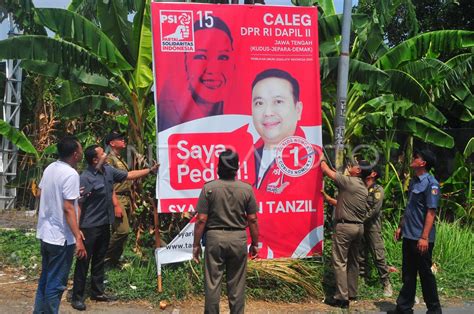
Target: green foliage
78	30
136	279
18	138
20	249
91	103
43	48
469	148
101	52
267	280
433	44
458	200
23	11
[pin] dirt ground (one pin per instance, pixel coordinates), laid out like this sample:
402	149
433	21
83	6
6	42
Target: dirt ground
15	219
17	296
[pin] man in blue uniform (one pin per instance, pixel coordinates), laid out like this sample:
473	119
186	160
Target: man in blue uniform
418	232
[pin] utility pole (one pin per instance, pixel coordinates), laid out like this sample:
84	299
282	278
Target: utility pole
342	83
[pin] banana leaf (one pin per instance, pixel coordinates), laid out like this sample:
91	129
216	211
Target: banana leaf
436	116
143	73
429	133
66	73
402	83
441	42
330	26
88	104
18	138
327	6
45	49
429	72
469	148
359	71
113	18
74	28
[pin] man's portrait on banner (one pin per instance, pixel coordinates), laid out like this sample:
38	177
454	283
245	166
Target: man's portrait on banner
276	112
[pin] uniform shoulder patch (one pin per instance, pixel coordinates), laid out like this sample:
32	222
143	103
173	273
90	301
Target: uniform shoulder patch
378	195
434	190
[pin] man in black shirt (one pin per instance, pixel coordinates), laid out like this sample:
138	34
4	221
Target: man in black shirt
96	215
95	218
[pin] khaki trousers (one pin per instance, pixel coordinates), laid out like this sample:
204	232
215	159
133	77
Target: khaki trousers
373	243
225	251
345	248
120	230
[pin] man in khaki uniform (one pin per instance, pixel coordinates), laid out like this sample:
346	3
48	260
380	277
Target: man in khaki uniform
372	239
225	207
122	203
349	218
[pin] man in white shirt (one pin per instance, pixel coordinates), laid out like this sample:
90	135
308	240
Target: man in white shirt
57	227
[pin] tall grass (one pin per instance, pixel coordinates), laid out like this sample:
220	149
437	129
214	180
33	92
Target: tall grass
453	257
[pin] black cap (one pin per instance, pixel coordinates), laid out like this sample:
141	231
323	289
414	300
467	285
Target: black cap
428	156
378	170
366	168
113	136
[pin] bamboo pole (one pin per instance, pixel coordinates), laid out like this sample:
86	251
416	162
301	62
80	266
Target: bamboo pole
157	239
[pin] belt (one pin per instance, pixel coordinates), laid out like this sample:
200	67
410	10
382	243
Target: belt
343	221
123	193
224	229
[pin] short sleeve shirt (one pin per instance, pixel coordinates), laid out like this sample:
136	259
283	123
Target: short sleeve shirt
60	182
118	163
227	203
374	205
96	207
423	194
352	198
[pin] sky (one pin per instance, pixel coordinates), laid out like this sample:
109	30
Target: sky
4	27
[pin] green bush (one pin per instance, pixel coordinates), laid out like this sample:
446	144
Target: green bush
20	249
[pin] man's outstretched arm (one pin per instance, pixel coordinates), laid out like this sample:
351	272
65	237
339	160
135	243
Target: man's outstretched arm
328	172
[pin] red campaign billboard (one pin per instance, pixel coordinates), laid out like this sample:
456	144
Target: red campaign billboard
242	77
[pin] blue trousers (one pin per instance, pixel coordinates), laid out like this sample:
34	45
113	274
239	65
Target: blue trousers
56	263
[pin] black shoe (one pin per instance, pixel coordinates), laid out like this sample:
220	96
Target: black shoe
343	304
103	298
78	305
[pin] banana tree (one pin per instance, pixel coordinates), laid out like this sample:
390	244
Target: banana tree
112	61
458	197
401	72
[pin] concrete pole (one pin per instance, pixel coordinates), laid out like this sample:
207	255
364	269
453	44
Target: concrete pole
342	83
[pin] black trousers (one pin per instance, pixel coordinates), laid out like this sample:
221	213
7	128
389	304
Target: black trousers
413	262
96	243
